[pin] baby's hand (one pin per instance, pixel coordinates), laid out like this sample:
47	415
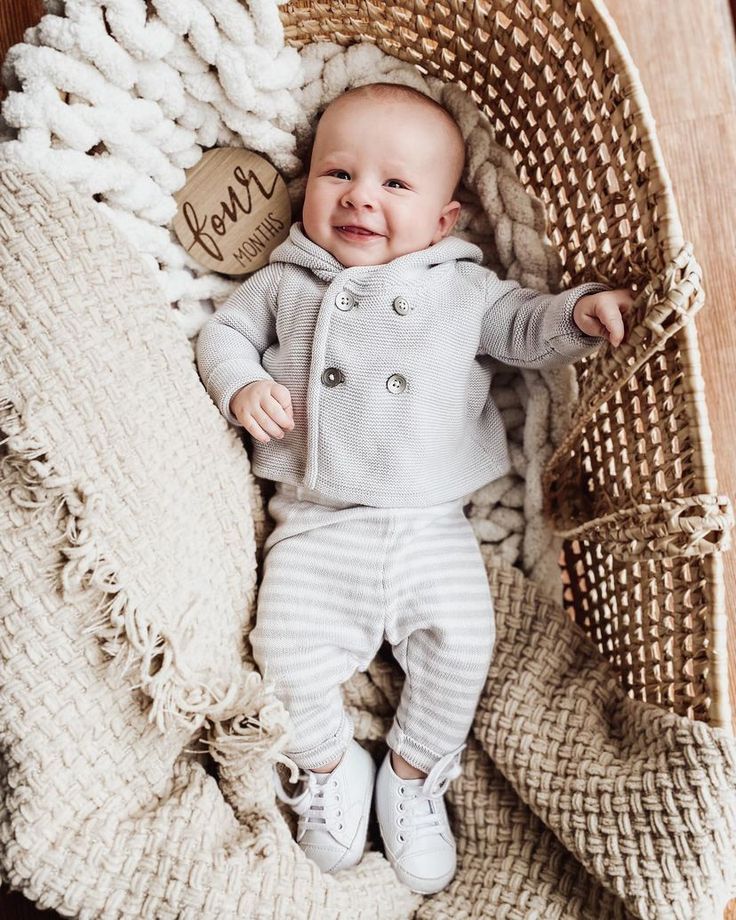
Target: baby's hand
263	407
602	314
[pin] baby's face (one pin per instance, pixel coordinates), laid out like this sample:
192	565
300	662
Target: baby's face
380	181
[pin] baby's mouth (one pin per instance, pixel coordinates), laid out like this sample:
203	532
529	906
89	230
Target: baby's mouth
356	231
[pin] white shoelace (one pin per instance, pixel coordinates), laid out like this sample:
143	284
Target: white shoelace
420	816
318	804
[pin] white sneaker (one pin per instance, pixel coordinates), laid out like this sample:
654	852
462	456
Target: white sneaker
414	827
333	809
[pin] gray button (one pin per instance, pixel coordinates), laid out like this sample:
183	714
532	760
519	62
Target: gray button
345	301
331	376
401	305
396	383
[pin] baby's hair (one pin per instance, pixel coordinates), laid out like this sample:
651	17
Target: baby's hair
390	91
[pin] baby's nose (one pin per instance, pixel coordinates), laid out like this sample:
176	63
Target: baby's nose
359	196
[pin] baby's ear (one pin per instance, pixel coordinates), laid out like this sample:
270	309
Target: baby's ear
447	220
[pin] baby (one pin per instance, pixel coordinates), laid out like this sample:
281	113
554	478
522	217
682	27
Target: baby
356	360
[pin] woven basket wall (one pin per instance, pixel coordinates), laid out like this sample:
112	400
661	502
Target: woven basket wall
632	487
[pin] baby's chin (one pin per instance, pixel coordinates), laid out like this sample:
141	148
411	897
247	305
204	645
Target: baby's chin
351	256
352	253
353	261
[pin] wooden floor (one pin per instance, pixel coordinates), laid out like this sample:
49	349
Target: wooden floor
686	56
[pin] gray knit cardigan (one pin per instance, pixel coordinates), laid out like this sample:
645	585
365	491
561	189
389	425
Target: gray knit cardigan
389	366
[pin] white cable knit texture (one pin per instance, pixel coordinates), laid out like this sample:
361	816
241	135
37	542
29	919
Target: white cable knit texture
120	97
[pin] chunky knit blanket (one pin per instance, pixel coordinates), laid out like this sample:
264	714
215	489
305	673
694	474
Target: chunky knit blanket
136	737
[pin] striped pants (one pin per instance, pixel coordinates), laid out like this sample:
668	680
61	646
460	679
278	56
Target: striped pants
336	579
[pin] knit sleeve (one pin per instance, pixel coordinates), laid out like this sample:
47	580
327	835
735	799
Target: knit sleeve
526	328
232	341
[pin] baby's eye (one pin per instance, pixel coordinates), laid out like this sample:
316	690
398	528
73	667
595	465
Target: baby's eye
397	181
335	171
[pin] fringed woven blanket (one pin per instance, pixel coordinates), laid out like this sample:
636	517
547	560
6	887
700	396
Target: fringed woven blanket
136	738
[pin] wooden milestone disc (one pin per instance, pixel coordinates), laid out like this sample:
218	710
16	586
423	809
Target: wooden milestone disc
232	211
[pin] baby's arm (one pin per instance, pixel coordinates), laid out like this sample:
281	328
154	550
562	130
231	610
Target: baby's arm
526	328
232	341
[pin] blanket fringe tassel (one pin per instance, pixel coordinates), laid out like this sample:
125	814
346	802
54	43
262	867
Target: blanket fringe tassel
253	720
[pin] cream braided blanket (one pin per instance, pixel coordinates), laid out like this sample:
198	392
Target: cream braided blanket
131	527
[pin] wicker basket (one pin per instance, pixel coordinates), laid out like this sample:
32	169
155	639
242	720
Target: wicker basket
632	486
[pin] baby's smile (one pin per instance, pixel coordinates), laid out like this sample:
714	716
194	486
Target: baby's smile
356	234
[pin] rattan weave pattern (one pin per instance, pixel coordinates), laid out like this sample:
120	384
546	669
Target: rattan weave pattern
563	95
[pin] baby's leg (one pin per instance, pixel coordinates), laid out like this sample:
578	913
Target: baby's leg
441	626
316	620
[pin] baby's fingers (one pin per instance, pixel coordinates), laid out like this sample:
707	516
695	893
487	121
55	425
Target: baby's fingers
266	424
254	429
283	397
610	317
281	415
